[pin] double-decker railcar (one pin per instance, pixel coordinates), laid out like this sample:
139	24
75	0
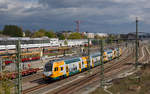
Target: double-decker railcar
63	68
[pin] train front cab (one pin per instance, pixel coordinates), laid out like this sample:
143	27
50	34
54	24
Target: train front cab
47	72
54	71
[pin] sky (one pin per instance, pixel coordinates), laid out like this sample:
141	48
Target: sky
106	16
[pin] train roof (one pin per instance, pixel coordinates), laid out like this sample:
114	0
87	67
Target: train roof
72	60
77	58
66	59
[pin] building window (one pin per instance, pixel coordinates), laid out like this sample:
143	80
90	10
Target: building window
79	65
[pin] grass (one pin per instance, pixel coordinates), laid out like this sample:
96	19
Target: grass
99	91
6	85
131	84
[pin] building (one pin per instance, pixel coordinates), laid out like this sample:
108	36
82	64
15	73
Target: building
92	35
141	35
101	34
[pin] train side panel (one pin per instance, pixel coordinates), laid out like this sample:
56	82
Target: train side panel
73	66
58	70
84	63
109	54
95	59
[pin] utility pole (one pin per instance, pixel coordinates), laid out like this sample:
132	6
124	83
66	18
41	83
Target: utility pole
1	65
89	55
78	24
18	63
136	59
1	71
118	48
102	63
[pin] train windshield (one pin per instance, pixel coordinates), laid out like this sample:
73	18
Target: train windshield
48	67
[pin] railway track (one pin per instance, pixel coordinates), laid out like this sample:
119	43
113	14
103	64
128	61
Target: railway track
44	85
147	55
95	78
32	78
80	82
69	89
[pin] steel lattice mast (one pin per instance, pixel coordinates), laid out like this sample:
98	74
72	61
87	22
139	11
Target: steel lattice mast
18	64
136	58
102	63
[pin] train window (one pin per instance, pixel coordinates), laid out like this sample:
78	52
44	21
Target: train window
56	69
82	62
67	69
48	67
79	65
61	68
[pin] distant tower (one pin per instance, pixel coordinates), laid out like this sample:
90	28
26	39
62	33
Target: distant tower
78	23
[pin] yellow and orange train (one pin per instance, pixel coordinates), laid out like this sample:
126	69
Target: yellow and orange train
66	67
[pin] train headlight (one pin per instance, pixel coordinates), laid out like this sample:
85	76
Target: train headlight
47	74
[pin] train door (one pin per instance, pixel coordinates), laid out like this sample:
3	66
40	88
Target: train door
67	70
120	51
115	54
83	65
56	71
79	66
86	62
93	62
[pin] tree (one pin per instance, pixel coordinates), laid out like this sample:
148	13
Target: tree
28	33
75	35
13	31
39	33
96	37
60	36
65	42
84	36
50	34
1	32
110	39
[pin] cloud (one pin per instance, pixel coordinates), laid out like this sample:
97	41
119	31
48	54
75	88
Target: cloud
95	15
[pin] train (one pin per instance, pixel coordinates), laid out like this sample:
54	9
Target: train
62	68
25	57
13	75
31	54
